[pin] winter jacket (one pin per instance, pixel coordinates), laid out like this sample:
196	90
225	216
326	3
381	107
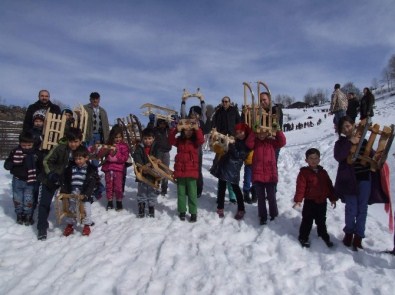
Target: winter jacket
229	165
28	121
366	107
314	185
353	107
140	157
104	119
264	166
89	185
17	164
224	120
162	139
116	162
339	101
186	162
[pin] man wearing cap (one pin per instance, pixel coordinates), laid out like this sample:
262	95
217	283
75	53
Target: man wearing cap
98	127
43	103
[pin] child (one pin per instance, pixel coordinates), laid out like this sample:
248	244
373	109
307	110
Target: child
247	188
228	168
22	163
54	165
146	194
314	185
80	178
264	170
114	167
69	118
38	126
186	168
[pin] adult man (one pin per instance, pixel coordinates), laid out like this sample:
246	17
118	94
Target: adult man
226	117
339	104
265	101
43	103
98	127
353	106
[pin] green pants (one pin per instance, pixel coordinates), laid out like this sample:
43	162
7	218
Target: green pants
186	188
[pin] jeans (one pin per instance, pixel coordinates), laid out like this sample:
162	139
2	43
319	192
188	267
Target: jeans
247	178
146	194
22	196
338	115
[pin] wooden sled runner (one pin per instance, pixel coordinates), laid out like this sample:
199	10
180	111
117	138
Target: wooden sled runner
219	141
159	112
154	168
163	170
62	207
132	131
255	116
80	120
187	124
383	144
186	94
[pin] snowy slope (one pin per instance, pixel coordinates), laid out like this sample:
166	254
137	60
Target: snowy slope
126	255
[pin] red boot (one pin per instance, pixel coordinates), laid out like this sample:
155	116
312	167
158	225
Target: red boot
86	230
68	230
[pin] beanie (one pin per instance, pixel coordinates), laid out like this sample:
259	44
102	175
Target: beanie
67	111
39	114
242	127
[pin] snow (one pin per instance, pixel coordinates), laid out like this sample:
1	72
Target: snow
163	255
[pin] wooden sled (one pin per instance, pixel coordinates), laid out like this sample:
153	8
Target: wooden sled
62	207
382	146
257	118
186	94
163	170
132	131
54	126
80	120
187	124
219	141
159	112
147	168
100	151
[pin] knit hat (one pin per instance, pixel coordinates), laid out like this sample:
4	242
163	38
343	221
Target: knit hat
67	111
39	114
195	109
242	127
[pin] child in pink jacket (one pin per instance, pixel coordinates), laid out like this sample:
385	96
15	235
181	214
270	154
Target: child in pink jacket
114	167
264	170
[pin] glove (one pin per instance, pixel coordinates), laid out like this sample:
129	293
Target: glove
54	177
151	118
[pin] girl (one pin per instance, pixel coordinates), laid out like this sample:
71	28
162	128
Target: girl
264	170
186	168
227	169
114	167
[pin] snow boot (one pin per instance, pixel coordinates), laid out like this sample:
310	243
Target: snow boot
357	243
119	206
86	230
263	221
182	216
239	215
347	240
151	211
254	198
68	230
110	205
20	219
304	243
42	235
220	213
141	213
29	220
247	198
193	218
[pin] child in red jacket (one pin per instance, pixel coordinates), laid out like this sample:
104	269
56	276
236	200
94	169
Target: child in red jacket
186	168
314	186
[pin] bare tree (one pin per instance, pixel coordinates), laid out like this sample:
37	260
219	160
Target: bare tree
315	97
387	77
350	87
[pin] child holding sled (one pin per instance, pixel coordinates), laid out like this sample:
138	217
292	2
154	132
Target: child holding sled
264	170
227	170
114	167
186	168
80	178
314	186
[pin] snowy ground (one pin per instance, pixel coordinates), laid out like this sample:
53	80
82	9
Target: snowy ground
126	255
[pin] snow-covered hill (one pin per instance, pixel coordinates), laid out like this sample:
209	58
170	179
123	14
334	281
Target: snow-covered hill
127	255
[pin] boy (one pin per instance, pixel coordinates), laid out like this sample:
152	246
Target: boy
54	165
146	193
314	185
22	163
38	126
80	178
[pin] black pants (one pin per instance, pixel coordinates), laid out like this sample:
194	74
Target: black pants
221	195
313	212
44	206
199	182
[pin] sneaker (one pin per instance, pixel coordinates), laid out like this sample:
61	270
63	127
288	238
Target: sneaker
239	215
182	216
29	221
42	234
220	213
262	221
304	243
151	211
20	219
193	218
110	205
86	230
68	230
119	206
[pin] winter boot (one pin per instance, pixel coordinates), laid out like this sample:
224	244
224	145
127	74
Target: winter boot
254	198
304	243
220	213
239	215
68	230
20	218
42	235
347	240
29	220
182	216
193	218
86	230
263	221
247	198
357	243
141	213
163	191
119	206
110	205
151	211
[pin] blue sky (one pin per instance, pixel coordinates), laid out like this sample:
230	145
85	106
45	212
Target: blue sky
133	52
